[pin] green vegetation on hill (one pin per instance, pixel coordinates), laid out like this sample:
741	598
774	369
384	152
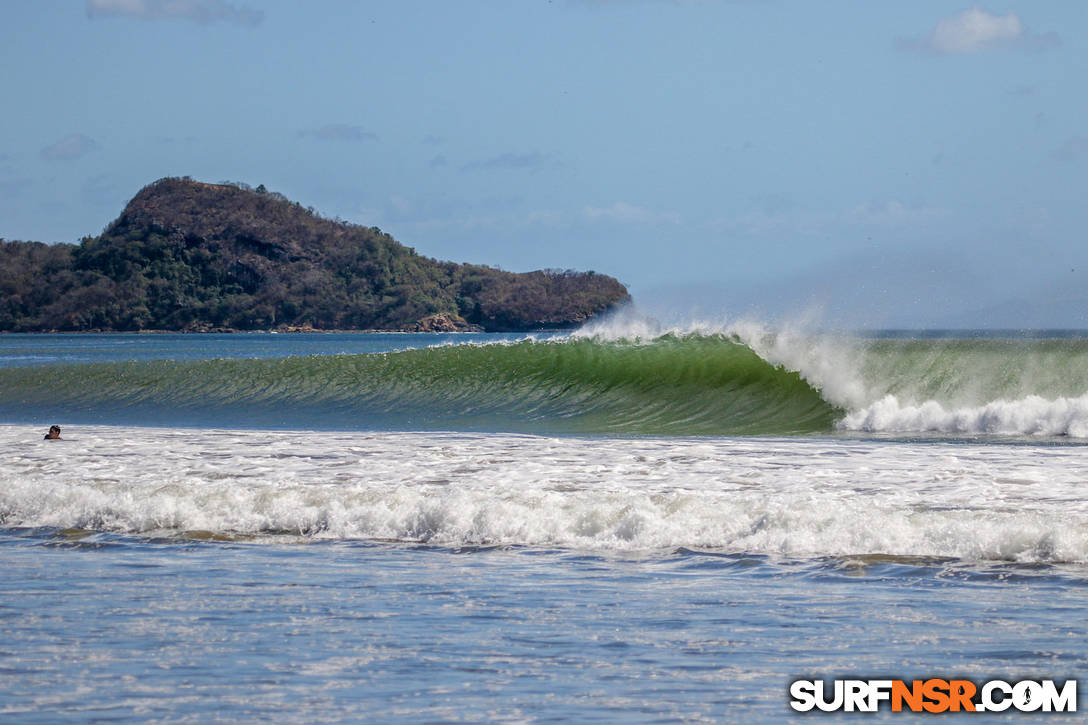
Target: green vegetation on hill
186	255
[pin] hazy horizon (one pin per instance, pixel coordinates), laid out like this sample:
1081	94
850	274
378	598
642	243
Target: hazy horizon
916	165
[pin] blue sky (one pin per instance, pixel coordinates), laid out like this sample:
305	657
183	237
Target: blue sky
884	164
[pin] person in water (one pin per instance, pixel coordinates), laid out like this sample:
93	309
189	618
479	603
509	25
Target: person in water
53	434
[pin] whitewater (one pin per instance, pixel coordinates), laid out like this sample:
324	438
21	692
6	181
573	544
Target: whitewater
766	496
629	522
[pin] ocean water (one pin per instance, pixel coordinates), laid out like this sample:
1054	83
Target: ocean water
624	524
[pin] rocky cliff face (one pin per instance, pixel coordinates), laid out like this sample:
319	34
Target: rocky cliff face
185	255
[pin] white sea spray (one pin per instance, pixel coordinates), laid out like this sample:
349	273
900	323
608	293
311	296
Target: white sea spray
1015	388
791	497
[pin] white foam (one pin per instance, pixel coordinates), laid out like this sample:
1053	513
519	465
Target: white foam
630	324
828	362
836	366
1032	415
798	497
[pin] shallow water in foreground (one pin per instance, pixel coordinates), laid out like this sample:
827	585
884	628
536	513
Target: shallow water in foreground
118	629
240	576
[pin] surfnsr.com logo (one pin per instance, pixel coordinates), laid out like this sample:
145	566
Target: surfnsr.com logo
933	695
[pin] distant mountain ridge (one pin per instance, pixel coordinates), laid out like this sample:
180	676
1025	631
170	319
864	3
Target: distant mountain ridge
186	255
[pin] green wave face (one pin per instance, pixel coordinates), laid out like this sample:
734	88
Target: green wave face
958	372
710	385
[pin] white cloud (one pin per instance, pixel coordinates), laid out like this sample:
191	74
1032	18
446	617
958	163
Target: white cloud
891	213
974	30
202	12
72	146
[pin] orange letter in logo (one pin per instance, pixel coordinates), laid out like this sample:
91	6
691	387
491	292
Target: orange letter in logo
961	692
912	695
936	691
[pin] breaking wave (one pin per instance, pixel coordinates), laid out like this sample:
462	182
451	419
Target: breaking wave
616	377
972	385
693	385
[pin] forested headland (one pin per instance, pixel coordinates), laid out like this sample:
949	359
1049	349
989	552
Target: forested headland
191	256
